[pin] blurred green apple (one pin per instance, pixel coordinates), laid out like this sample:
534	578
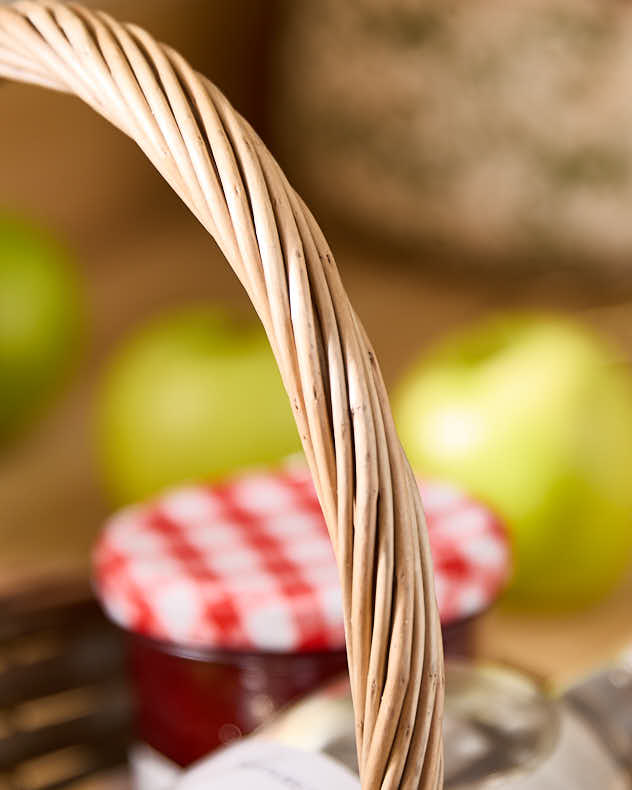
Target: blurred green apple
39	320
534	415
194	394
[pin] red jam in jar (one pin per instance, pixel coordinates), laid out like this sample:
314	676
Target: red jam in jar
189	703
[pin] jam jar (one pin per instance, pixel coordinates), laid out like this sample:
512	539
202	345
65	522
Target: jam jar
231	604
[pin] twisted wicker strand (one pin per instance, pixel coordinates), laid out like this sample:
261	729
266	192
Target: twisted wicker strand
222	171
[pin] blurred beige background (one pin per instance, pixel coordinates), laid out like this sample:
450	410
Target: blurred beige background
141	252
138	250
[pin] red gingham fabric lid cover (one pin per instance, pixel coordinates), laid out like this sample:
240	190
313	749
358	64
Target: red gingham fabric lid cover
248	564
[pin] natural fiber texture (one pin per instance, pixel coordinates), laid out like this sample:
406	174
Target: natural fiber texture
222	171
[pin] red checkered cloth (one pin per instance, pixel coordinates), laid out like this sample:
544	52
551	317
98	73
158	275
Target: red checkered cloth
248	564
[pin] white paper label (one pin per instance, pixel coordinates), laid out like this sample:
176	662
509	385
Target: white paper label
267	766
151	770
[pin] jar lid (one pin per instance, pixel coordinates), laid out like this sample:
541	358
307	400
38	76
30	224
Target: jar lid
247	564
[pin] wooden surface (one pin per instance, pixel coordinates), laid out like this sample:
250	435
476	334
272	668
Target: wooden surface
141	253
558	649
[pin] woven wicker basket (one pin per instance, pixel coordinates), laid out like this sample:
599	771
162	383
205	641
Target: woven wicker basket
65	712
222	171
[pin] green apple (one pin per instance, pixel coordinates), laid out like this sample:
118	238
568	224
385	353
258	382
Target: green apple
195	394
39	320
534	415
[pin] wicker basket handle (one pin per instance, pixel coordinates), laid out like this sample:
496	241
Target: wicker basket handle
222	171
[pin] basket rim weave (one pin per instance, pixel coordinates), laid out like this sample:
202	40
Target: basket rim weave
222	171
